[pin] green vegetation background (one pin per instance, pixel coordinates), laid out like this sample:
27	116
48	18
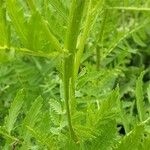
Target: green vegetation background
98	50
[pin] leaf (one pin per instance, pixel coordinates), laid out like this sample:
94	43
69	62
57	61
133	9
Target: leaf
14	111
3	29
111	103
103	122
43	138
4	133
140	97
106	137
146	143
106	79
34	32
132	140
138	40
74	22
56	106
85	132
60	8
45	28
31	120
32	114
148	93
121	38
18	20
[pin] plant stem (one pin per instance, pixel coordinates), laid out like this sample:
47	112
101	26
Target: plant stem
75	17
83	39
98	58
67	98
91	14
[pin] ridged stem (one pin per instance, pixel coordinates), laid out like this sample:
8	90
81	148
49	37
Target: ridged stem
73	29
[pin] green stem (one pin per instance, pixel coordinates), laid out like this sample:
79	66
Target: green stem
98	58
83	39
90	19
73	30
130	8
67	98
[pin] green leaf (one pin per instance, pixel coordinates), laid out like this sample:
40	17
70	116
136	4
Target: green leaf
60	8
146	143
106	137
43	138
18	20
34	32
30	120
3	26
14	111
46	28
111	103
4	133
56	106
32	115
140	97
132	140
148	93
74	22
138	40
103	122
